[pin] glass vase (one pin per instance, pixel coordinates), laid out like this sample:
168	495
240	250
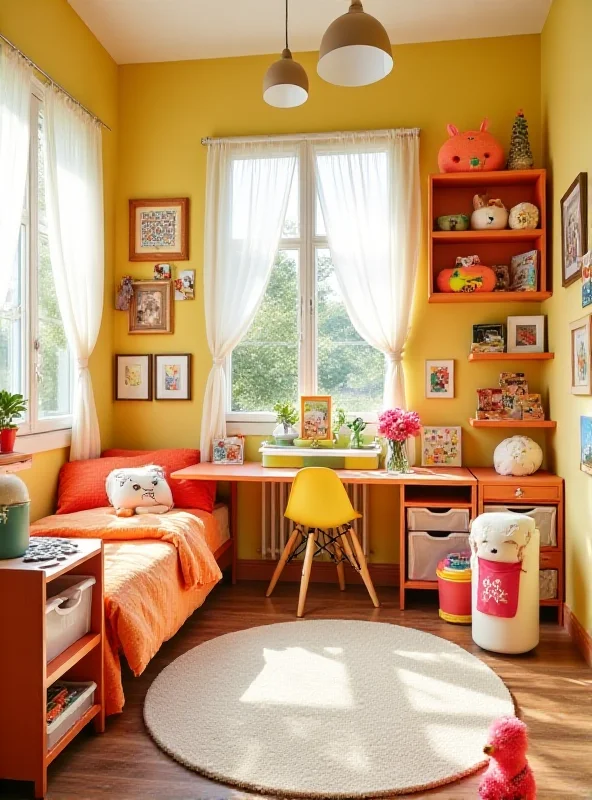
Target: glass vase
397	462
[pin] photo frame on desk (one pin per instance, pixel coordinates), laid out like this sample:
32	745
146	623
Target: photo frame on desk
315	417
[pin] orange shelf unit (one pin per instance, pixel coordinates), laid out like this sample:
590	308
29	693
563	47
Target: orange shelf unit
452	193
513	423
511	356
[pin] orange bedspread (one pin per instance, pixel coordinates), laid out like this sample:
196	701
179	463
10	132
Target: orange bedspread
158	570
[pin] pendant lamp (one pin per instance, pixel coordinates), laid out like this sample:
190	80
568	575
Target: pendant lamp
355	49
285	84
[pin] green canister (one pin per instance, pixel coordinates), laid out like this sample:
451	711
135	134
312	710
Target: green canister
14	517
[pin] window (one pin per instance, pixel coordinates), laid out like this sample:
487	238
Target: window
302	340
34	356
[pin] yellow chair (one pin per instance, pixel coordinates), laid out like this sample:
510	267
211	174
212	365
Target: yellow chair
322	513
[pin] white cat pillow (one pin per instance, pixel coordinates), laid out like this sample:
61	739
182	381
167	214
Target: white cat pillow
139	490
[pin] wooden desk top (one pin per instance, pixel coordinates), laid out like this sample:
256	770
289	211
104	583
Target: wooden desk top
540	478
253	471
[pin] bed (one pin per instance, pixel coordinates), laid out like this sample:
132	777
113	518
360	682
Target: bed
158	570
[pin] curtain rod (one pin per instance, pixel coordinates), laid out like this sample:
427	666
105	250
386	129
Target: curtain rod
54	83
299	137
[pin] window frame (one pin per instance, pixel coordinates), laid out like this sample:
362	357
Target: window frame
307	243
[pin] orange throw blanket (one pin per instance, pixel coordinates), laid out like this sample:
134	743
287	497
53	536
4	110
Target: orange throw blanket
139	586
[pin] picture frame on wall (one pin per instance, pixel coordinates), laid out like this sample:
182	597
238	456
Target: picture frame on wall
151	307
315	417
580	349
574	229
133	377
586	445
159	229
587	279
439	376
526	334
172	376
441	446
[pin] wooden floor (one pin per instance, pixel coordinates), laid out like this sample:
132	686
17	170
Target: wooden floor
552	689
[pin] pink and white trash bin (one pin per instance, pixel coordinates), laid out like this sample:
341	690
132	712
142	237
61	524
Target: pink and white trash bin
505	582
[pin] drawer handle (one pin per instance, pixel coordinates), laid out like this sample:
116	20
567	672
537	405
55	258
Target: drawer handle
519	492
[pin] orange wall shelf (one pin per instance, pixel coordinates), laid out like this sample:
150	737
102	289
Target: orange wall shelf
511	356
512	423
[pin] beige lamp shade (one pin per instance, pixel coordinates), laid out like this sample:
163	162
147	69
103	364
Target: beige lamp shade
355	49
285	84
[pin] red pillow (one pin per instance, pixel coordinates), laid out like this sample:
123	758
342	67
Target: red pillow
186	493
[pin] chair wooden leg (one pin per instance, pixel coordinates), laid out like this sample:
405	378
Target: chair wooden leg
283	560
344	541
311	544
340	568
364	568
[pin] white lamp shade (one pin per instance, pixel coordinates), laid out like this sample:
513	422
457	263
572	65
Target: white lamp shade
286	83
355	50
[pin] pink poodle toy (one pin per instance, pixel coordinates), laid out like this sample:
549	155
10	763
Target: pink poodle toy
508	776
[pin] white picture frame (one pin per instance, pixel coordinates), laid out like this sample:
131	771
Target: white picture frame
581	355
439	379
172	376
441	446
526	334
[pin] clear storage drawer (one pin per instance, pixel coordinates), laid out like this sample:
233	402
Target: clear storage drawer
426	549
544	516
70	716
67	612
434	519
548	584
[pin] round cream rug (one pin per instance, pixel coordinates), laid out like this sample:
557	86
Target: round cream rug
327	709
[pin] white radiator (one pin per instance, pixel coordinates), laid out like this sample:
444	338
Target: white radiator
276	529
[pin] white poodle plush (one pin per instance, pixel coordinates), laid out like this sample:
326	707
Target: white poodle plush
139	490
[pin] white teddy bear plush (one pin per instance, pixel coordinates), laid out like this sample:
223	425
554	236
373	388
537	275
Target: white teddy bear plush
139	490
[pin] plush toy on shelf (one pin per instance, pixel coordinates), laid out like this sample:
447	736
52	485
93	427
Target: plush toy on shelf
508	776
469	275
489	214
139	490
470	151
524	216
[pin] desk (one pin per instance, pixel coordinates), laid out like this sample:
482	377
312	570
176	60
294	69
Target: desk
437	487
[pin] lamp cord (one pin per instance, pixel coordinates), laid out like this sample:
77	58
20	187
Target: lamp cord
286	24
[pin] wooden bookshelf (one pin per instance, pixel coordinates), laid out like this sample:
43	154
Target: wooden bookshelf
511	356
452	193
513	423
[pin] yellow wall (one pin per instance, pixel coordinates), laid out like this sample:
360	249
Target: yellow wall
52	34
567	117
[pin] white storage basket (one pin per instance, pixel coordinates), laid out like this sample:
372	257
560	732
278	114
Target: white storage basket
548	584
426	519
70	716
427	549
67	612
544	516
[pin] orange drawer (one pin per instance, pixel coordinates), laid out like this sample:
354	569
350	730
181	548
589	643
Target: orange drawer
551	559
521	492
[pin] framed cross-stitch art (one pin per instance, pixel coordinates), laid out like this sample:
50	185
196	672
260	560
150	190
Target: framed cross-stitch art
151	307
441	446
159	229
133	377
172	376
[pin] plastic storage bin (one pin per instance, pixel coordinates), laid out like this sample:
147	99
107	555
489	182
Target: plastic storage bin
426	549
67	612
454	588
548	584
544	516
70	716
426	519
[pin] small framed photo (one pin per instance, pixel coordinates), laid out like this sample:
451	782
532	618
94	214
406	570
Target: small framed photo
574	228
228	450
162	272
151	307
440	380
315	416
587	279
488	338
586	445
185	285
580	356
133	377
172	376
441	446
159	228
526	334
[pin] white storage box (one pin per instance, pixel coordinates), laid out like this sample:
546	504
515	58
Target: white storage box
548	584
544	516
426	519
62	724
427	549
67	612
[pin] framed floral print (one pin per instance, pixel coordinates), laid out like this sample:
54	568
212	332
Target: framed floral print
574	228
159	229
172	376
151	307
133	377
581	381
439	380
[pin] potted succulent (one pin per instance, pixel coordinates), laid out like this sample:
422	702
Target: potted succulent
340	428
11	407
286	417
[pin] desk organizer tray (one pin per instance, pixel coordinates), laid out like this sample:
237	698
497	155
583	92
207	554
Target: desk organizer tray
426	550
332	457
426	519
544	516
67	612
72	713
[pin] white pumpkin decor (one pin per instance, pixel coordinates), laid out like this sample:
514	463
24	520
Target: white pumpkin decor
488	214
524	216
518	455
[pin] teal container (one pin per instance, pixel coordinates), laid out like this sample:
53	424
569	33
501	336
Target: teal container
14	517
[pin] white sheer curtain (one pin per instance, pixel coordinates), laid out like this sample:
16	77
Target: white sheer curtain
368	186
74	184
15	115
246	198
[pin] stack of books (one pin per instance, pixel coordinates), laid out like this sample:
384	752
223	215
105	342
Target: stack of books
511	400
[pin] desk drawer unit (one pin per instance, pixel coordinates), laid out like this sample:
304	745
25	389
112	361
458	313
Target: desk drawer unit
512	492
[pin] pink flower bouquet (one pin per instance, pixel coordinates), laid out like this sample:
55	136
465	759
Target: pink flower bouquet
398	425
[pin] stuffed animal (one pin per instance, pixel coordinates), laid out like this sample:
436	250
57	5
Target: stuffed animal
478	278
471	150
518	455
508	776
139	490
488	214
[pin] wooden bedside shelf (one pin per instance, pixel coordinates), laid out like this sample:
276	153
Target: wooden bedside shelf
74	731
511	356
513	423
71	656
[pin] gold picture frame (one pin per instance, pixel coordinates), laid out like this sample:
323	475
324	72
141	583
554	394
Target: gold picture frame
151	307
315	417
159	229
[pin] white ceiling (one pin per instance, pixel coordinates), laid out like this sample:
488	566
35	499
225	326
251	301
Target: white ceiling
135	31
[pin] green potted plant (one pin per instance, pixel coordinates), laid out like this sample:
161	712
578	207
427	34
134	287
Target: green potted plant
356	426
286	417
11	407
340	429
